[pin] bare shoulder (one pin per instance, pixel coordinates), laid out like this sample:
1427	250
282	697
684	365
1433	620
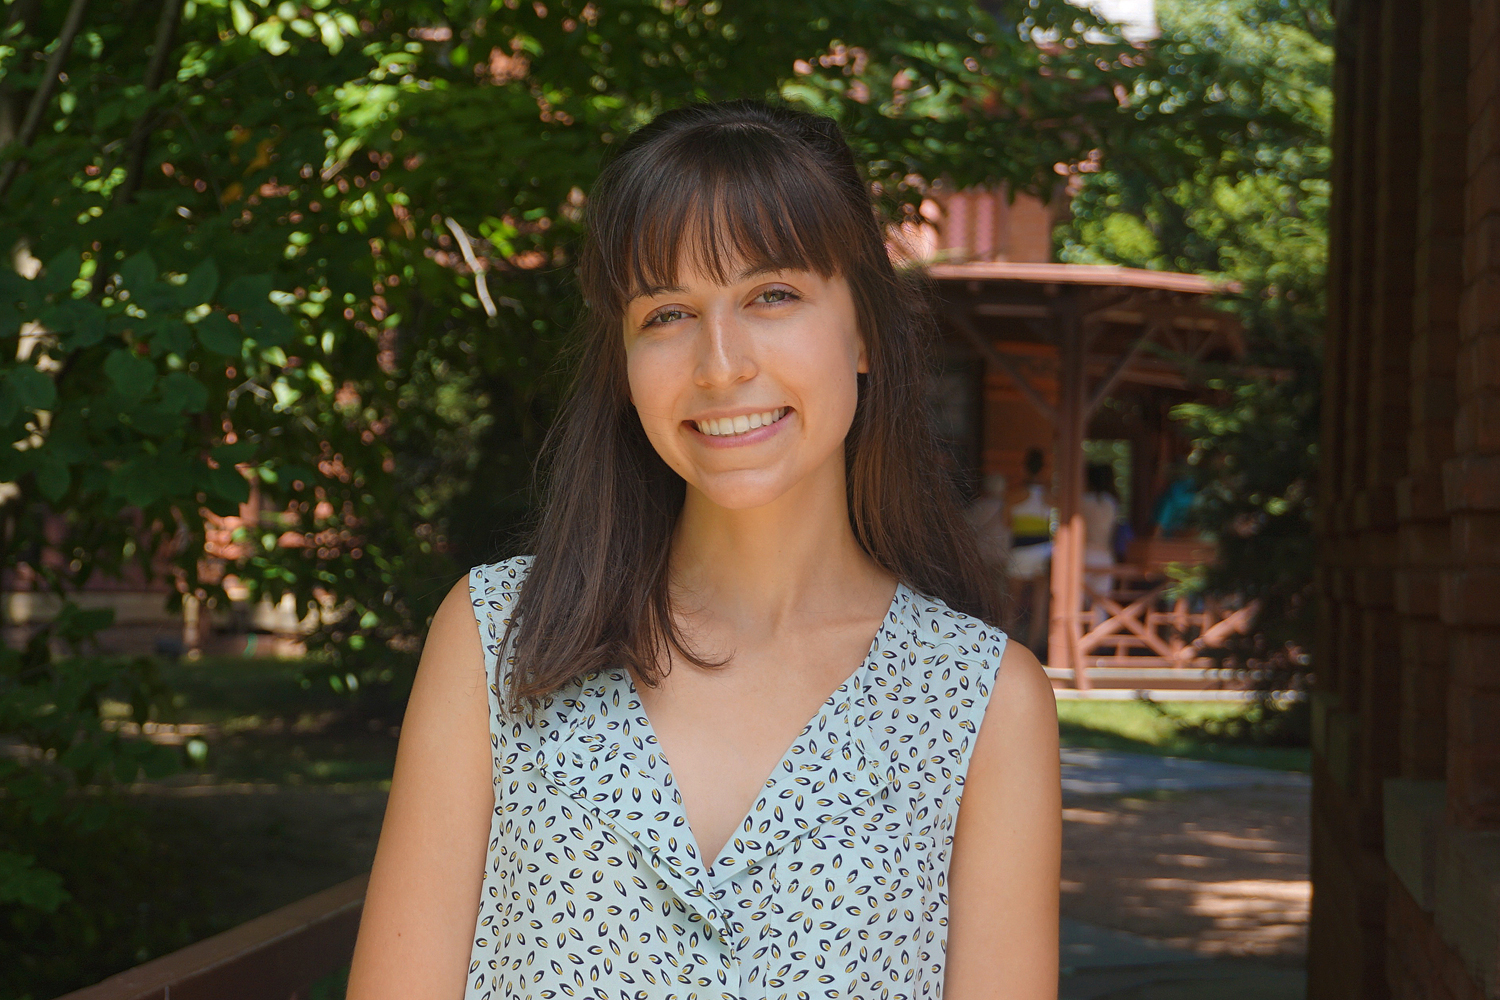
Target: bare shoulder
1022	690
1019	732
418	921
1007	847
453	644
1015	757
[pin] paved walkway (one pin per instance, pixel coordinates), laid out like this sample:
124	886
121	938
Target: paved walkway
1100	963
1110	772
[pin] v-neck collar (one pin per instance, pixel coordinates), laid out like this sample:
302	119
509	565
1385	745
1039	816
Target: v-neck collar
606	754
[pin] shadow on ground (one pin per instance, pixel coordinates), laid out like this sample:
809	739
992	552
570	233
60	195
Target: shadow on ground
1184	892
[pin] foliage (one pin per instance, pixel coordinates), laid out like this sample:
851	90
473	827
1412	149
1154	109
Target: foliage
50	710
1255	215
289	282
130	897
245	320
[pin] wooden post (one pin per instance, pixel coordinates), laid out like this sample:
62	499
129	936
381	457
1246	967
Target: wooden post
1067	550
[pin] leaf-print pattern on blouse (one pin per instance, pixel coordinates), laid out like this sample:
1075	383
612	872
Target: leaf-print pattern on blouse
835	885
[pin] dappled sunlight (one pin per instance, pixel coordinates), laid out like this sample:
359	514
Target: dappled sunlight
1220	873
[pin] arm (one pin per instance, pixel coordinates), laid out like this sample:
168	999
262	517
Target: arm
1007	850
418	925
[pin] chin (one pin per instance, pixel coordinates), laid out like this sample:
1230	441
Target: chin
747	494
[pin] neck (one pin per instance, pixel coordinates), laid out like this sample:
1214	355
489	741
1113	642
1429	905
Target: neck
771	564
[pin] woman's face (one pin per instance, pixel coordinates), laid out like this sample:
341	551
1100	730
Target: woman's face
747	388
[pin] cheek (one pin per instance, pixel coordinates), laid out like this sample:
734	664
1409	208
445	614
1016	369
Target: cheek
824	371
650	383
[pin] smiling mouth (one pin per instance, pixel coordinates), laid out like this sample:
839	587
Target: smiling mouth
732	426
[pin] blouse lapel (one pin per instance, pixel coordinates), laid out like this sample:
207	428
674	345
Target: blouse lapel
838	764
600	748
604	754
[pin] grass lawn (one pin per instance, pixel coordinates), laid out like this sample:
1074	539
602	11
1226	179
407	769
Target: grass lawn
1167	729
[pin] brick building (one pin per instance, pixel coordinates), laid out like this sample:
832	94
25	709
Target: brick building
1406	801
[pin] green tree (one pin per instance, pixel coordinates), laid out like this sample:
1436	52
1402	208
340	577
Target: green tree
1254	214
312	259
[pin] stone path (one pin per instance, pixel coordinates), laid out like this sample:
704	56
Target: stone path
1113	836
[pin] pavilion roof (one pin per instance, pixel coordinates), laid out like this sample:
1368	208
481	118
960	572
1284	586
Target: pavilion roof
1098	275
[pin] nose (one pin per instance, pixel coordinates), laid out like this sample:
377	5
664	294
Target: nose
725	351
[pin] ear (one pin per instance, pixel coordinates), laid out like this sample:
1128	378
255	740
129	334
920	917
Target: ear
862	360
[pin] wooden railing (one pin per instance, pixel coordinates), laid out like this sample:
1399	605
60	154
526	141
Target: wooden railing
274	957
1137	624
1135	634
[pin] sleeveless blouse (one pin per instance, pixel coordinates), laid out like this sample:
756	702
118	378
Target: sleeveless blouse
835	884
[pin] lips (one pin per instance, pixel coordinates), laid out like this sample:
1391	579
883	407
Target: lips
742	424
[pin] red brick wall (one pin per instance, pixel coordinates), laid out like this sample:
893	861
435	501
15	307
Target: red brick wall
1408	652
1472	591
1419	964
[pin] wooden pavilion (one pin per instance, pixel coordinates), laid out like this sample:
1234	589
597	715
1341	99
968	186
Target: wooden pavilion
1049	356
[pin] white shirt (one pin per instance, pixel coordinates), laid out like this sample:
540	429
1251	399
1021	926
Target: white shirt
1100	511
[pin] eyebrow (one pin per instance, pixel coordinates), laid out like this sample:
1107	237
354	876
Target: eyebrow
750	272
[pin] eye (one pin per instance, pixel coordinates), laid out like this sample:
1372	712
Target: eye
671	314
773	295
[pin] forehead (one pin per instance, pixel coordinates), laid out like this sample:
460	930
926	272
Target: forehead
722	242
693	276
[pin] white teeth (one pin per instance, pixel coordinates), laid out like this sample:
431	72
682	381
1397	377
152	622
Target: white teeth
728	426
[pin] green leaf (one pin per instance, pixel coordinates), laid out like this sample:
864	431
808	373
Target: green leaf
147	479
34	390
14	288
23	883
260	318
139	272
294	473
226	483
77	624
80	323
171	337
270	327
249	292
181	393
59	272
218	334
53	477
202	282
131	376
231	454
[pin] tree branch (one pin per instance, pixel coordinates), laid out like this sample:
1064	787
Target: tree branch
468	251
135	156
43	95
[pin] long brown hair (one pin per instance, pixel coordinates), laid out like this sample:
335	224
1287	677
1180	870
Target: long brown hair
724	186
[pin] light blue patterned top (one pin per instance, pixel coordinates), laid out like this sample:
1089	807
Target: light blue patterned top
835	885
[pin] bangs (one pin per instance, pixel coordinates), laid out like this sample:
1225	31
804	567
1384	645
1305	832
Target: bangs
723	201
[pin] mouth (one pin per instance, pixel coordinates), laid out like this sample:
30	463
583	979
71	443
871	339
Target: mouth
730	427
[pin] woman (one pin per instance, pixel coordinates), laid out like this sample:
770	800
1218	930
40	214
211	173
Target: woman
710	740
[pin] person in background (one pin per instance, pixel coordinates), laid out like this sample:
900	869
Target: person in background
1174	508
1100	509
1031	548
989	517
